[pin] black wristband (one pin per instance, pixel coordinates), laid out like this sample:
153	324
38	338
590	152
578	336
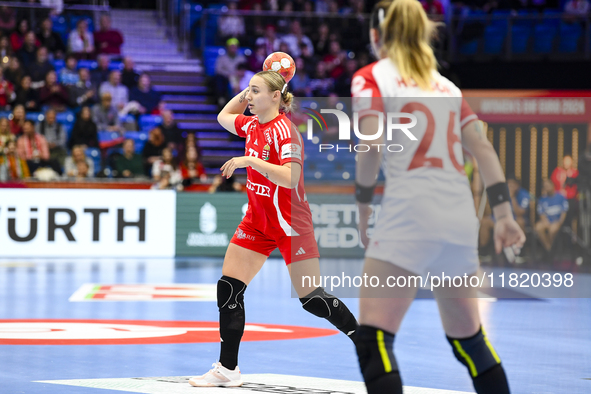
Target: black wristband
498	194
364	194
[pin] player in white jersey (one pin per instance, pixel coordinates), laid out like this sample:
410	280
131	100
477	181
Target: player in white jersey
427	222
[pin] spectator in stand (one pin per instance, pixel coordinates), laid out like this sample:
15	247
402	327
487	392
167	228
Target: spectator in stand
7	19
55	135
12	167
5	134
53	94
18	120
153	149
257	58
147	97
269	41
82	92
39	69
222	184
343	83
81	41
167	163
433	7
170	130
565	183
240	80
85	131
283	23
577	8
225	67
321	84
322	40
552	208
105	115
106	39
27	54
300	83
14	73
192	171
69	75
102	72
7	95
5	52
129	164
231	24
119	93
71	166
33	147
295	38
129	77
26	95
51	40
17	38
310	60
335	60
520	200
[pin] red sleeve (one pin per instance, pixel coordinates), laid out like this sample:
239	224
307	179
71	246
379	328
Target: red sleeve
466	114
289	142
241	124
367	99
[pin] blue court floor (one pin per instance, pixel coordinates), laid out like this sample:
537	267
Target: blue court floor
545	344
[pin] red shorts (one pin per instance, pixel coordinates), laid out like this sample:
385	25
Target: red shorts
293	249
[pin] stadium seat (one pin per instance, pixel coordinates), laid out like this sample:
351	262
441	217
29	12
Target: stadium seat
519	38
65	117
95	155
494	39
553	17
570	35
544	34
105	136
116	66
35	116
148	122
502	21
469	47
211	53
58	65
89	64
75	18
60	26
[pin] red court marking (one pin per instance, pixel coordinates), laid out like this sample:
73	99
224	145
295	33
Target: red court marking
138	332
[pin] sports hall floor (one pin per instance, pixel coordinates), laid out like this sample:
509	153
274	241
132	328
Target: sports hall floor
545	344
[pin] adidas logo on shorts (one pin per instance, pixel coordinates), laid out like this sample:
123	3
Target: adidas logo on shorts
300	251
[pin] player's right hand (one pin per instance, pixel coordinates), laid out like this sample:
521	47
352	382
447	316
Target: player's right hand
364	214
508	233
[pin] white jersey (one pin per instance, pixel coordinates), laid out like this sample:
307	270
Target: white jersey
427	194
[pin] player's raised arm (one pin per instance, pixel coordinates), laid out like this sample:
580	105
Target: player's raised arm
230	112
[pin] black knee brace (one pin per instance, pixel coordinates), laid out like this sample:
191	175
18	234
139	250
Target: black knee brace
377	361
483	363
324	305
230	294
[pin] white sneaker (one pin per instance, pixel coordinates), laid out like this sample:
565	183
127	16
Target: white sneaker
219	376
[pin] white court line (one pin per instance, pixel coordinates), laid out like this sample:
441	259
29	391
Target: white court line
255	383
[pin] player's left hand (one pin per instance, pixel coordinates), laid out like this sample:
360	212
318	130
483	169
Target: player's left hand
508	233
231	165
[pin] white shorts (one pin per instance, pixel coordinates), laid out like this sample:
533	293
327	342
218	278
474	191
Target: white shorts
420	257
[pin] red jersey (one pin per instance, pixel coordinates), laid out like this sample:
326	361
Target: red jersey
559	176
274	208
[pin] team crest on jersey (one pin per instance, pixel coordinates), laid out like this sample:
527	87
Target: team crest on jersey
266	150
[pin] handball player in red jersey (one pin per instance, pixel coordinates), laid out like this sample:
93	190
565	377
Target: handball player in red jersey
278	216
427	222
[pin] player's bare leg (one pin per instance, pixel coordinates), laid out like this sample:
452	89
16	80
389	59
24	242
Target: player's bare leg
381	313
458	308
240	267
317	301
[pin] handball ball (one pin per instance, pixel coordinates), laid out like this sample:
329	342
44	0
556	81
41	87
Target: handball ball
282	63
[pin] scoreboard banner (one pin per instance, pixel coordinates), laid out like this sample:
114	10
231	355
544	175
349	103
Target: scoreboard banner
207	222
86	223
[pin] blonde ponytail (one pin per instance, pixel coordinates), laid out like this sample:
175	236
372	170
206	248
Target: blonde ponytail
406	37
275	81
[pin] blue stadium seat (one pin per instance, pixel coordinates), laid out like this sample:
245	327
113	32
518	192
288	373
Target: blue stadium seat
211	53
494	39
501	22
519	38
95	155
5	114
195	13
570	35
35	116
60	26
75	18
544	34
89	64
528	22
65	117
104	136
58	65
469	48
116	66
555	17
148	122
